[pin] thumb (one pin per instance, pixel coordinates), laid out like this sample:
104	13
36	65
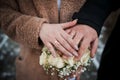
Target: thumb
69	24
94	48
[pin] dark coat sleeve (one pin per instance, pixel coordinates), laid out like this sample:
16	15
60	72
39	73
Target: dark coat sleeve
94	13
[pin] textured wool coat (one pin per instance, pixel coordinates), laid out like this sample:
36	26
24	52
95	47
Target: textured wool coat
21	20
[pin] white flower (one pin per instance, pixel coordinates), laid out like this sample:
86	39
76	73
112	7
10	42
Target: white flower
86	56
60	62
43	59
63	66
56	61
51	60
70	61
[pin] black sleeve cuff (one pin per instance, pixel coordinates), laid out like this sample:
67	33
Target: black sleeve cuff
86	21
93	13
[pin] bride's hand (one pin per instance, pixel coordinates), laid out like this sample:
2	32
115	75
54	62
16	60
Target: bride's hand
53	35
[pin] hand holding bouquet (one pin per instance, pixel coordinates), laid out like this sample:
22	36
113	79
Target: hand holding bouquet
64	67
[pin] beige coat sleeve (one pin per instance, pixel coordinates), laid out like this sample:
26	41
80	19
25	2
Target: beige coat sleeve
22	28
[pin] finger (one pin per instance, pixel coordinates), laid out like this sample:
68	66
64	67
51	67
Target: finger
78	73
61	48
72	34
94	48
66	45
69	40
58	52
78	77
51	49
64	57
68	30
78	37
69	24
83	47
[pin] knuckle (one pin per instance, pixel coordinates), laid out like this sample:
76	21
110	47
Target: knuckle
49	36
80	34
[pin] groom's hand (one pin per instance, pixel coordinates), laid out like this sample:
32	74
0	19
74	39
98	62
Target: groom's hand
85	37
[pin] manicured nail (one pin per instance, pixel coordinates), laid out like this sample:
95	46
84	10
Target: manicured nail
76	47
70	55
76	19
75	53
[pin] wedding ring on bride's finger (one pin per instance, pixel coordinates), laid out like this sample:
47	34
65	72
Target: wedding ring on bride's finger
56	42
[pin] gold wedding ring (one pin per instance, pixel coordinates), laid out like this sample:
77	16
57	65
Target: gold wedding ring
56	42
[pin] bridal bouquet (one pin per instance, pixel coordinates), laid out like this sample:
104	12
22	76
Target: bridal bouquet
64	67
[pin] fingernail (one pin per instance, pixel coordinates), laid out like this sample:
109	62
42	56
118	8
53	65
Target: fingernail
92	55
75	53
70	55
54	55
75	19
76	47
